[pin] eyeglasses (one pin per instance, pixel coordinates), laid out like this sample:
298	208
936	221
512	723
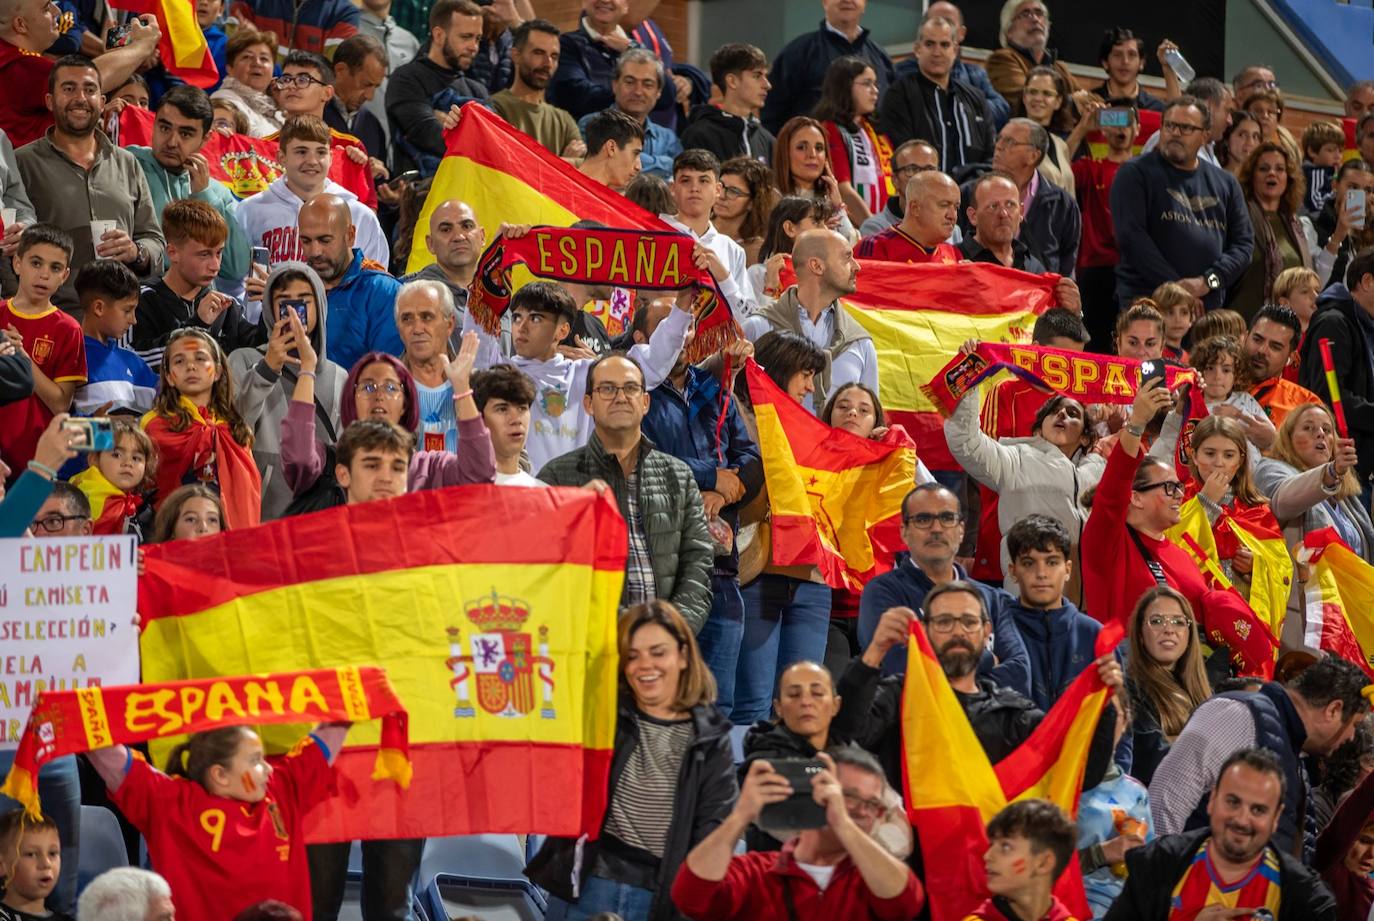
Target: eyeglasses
1033	12
611	391
923	521
730	192
54	523
1159	620
1003	143
1261	84
912	168
946	623
300	81
1172	488
1181	128
862	805
390	388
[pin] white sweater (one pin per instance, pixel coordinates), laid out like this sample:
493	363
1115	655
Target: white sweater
269	219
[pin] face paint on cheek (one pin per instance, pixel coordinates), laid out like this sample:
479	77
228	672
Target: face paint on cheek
250	786
1018	866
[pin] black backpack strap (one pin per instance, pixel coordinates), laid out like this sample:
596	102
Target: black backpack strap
1156	569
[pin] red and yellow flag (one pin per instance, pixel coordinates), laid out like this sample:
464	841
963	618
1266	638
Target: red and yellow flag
919	315
182	48
952	790
508	177
502	649
836	498
1340	599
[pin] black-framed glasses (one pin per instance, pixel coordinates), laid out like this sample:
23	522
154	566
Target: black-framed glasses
631	390
300	81
924	521
54	523
946	623
1181	128
1172	488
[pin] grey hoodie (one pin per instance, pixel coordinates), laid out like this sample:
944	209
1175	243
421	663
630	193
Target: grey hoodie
263	395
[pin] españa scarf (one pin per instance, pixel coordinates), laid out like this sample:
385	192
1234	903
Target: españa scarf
625	258
1086	378
67	722
1200	887
206	452
110	505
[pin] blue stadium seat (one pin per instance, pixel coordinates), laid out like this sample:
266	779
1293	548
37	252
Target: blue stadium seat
102	845
479	875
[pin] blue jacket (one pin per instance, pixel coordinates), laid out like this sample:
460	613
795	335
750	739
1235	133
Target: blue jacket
975	77
800	67
582	83
906	586
1060	645
362	314
684	425
661	147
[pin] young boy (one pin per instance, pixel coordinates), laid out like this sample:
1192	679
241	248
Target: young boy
695	189
731	128
30	862
373	460
185	296
269	217
503	395
1029	844
117	380
614	143
50	338
1322	146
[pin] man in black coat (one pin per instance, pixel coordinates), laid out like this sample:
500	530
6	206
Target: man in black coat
1170	874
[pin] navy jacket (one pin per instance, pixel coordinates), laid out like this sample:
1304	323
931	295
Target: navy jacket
582	83
906	586
684	425
1059	643
800	67
1053	229
1338	319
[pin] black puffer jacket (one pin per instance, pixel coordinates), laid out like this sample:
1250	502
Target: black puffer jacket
706	791
770	741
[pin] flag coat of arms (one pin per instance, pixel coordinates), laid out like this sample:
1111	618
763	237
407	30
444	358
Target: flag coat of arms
502	649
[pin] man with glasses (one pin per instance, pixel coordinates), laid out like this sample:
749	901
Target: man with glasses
1253	79
65	513
306	87
1177	217
671	551
909	160
1024	31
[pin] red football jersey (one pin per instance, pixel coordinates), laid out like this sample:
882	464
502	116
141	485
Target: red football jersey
894	245
221	855
58	349
24	115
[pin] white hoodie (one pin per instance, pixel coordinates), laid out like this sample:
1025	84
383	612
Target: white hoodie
739	294
269	219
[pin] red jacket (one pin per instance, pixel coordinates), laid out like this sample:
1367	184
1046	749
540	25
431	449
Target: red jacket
753	890
995	909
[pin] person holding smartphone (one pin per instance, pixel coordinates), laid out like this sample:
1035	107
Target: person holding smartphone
1343	225
801	166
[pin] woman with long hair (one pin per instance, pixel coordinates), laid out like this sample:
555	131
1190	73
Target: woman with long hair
860	154
1165	675
1272	182
1241	136
747	199
801	166
672	778
790	217
1048	102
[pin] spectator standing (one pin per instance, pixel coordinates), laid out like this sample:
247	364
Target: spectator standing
1030	844
210	18
1345	317
932	105
964	72
1274	336
503	396
427	320
1323	145
1122	56
582	83
126	894
117	378
251	58
535	53
695	189
316	26
637	83
799	69
1024	33
1097	252
791	217
801	166
456	240
860	156
399	44
748	197
1272	185
1204	245
731	128
1046	101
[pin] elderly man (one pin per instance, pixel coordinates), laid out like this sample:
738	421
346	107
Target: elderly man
996	218
931	215
1024	32
908	160
427	319
361	298
637	82
1051	223
126	894
1359	99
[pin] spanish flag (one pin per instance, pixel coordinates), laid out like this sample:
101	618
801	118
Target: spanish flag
183	49
1340	599
501	649
835	498
110	505
919	315
953	791
508	177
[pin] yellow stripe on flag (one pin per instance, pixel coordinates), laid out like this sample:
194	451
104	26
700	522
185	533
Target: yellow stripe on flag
188	41
1062	786
94	718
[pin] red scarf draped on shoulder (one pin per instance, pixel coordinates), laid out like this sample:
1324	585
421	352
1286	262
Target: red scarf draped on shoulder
206	452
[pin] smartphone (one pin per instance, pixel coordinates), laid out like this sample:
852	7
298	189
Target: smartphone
800	810
1355	207
117	37
1114	118
1151	369
298	306
410	175
262	256
94	434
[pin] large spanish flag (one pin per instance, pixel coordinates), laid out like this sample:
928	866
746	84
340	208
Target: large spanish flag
502	649
182	48
953	791
509	178
919	315
1340	599
835	498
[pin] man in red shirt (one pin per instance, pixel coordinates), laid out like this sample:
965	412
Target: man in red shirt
932	210
28	31
1097	253
836	871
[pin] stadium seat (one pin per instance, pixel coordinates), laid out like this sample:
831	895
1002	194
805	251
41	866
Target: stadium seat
479	875
102	845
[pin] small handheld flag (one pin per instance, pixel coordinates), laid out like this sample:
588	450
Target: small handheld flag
1336	409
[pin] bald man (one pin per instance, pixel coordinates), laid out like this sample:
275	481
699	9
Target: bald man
932	212
362	296
826	271
456	241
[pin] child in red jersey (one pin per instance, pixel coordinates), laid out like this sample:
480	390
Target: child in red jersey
1029	844
224	826
30	862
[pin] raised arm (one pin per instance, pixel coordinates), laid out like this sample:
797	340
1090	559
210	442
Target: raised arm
982	457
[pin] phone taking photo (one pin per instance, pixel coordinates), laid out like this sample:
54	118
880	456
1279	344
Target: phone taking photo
1355	207
285	307
1151	370
1114	118
90	434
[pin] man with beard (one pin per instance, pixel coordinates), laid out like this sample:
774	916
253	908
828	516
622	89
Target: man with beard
683	418
535	53
422	97
995	214
956	618
361	296
456	240
76	177
1177	217
1275	335
1231	868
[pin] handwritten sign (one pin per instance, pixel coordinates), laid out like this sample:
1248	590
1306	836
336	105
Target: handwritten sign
66	620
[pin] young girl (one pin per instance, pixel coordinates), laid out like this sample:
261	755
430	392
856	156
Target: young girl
1221	363
199	434
223	826
30	862
860	154
117	481
1180	309
190	513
